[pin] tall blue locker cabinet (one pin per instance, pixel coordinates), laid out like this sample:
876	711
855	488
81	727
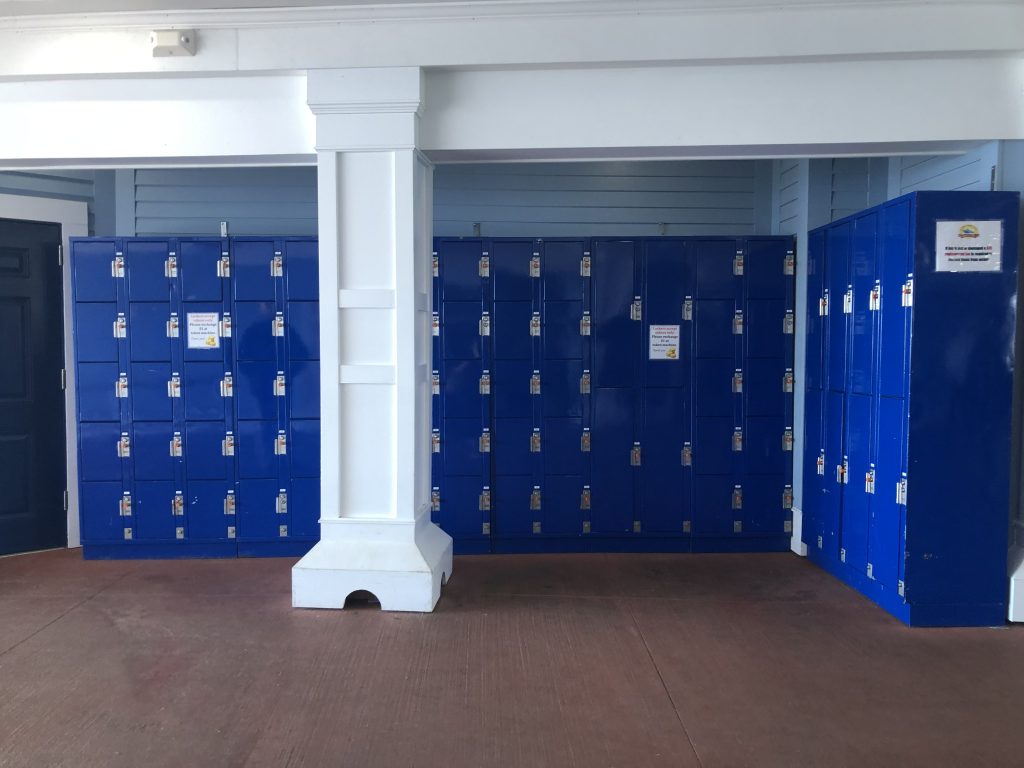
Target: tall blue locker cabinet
198	395
911	316
606	394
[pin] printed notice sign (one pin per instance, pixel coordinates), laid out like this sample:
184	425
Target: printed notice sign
664	342
203	331
968	246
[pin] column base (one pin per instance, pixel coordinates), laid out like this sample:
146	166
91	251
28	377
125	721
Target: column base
796	543
401	563
1016	571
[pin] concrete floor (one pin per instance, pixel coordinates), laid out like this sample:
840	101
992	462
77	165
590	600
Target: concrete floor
575	660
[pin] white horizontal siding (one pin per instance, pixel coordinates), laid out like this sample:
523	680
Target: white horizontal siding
970	172
59	185
858	183
788	204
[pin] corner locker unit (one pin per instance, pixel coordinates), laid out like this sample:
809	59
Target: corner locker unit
908	427
157	377
566	384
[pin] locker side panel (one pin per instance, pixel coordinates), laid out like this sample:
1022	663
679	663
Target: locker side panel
616	336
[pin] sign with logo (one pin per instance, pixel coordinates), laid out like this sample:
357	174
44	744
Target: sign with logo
203	332
664	342
968	246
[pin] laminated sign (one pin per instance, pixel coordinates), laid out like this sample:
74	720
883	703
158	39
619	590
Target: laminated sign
968	246
664	342
203	330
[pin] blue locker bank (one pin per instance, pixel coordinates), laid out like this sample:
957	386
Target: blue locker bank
198	395
606	394
909	373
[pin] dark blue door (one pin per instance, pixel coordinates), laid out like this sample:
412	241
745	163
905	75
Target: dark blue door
894	325
100	505
94	332
856	501
260	514
153	509
257	390
664	503
198	269
256	449
92	262
207	451
514	515
151	443
304	389
616	335
97	392
863	333
254	330
100	459
210	508
148	391
815	322
560	513
302	325
251	262
611	446
832	487
149	323
301	269
884	536
714	514
304	448
715	390
147	271
838	271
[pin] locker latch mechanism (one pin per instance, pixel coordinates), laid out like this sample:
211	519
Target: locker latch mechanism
178	505
789	263
227	445
737	323
535	440
277	329
821	463
224	326
848	301
485	324
175	445
277	265
435	324
281	503
535	498
585	440
901	491
280	443
737	497
737	439
174	386
787	380
484	266
125	506
535	324
688	309
435	499
635	455
737	264
787	439
869	481
737	382
124	446
117	265
585	497
875	300
585	324
585	383
485	383
173	328
171	266
229	503
686	455
788	322
435	383
227	386
121	386
535	265
485	503
484	443
823	305
435	264
279	384
787	497
535	383
907	296
585	264
435	441
224	265
120	326
636	309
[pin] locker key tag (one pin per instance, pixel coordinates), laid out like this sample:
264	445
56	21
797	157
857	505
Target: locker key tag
280	443
278	325
224	326
737	264
121	386
227	386
279	385
120	326
176	445
585	324
535	324
117	265
485	383
173	326
224	265
174	386
787	380
688	309
535	265
277	265
737	323
227	445
171	265
788	322
585	264
789	264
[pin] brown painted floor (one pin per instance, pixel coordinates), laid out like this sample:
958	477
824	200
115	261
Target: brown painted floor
575	660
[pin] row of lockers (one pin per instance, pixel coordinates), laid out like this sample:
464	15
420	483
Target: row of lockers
614	390
198	395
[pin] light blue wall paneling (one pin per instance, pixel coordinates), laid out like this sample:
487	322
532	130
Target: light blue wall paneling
60	185
973	171
858	183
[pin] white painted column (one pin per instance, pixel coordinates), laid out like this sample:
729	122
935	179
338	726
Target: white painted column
375	215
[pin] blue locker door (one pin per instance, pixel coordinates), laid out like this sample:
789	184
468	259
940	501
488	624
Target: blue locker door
815	324
763	329
97	392
301	270
511	330
94	278
304	389
99	457
148	391
201	390
832	487
884	538
151	445
460	270
258	515
560	441
763	513
513	516
764	267
254	330
255	449
561	388
561	264
304	508
714	268
460	387
197	269
713	513
302	326
714	387
460	446
510	270
510	446
664	505
856	507
838	270
894	331
762	446
616	341
255	389
94	332
862	321
153	508
612	499
560	334
304	448
561	514
145	261
460	507
812	481
148	324
713	327
667	283
251	274
763	387
713	452
204	451
460	330
100	511
207	508
510	388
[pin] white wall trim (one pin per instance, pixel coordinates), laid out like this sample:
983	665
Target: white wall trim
73	218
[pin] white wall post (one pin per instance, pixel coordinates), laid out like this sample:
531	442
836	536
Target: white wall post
375	338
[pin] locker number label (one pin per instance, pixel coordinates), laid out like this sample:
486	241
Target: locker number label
664	342
203	330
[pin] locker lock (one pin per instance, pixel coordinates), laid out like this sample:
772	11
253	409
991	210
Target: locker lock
435	265
869	480
789	263
535	265
125	506
686	455
280	443
178	504
277	265
483	268
688	309
585	265
435	383
224	265
637	527
848	301
737	381
485	499
875	300
737	497
737	439
585	383
179	532
841	472
174	386
117	265
788	322
281	503
227	445
535	383
282	531
484	442
171	266
585	497
229	503
224	326
173	327
535	441
901	491
231	532
227	386
277	326
435	441
821	463
121	386
120	326
485	324
536	526
535	498
737	323
586	526
175	447
279	384
435	324
535	324
128	534
737	264
124	446
823	304
687	526
435	499
787	497
585	440
907	294
787	439
485	383
636	309
788	381
585	324
635	457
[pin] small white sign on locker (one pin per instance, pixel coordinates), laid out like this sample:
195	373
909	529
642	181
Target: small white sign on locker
664	342
203	330
968	246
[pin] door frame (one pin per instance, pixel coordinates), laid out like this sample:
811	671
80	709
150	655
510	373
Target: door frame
73	218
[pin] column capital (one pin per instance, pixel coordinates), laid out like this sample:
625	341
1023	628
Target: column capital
366	109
